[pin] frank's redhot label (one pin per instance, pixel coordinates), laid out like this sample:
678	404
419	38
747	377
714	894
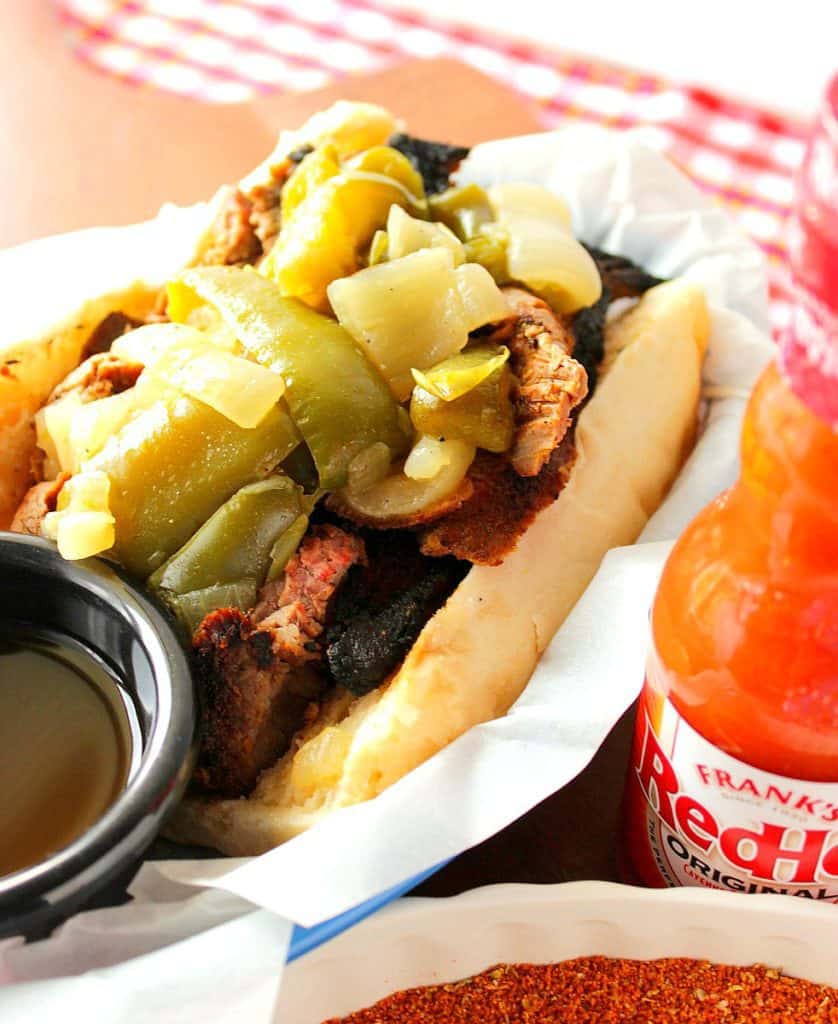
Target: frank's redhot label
698	816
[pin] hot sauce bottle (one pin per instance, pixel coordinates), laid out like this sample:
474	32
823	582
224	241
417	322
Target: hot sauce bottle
733	782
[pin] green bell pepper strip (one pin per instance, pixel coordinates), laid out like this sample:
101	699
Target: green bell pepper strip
192	608
464	209
227	560
338	399
236	542
460	373
488	248
173	465
483	416
285	546
300	467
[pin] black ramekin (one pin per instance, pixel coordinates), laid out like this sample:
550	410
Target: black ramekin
95	605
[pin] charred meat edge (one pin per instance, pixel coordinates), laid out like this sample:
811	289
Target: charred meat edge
337	616
435	161
261	673
383	606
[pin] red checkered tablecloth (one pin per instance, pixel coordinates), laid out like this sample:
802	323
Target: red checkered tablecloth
232	50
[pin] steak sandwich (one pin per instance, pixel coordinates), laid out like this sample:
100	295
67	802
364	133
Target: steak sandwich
369	448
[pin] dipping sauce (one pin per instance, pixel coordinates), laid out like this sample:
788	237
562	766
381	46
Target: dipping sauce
66	746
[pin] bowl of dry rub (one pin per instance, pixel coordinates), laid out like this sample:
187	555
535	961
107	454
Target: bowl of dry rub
619	954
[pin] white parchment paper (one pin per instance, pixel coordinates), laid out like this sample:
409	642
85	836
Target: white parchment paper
198	928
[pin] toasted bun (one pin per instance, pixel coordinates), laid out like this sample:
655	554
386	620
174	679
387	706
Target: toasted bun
475	656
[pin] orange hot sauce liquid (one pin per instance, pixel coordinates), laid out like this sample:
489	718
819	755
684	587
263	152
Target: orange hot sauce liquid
745	621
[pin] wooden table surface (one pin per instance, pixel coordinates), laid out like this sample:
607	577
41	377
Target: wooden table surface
569	837
83	148
81	141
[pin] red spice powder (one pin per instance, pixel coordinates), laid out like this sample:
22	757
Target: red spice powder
597	990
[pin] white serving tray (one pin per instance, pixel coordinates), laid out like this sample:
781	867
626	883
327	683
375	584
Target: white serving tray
427	941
